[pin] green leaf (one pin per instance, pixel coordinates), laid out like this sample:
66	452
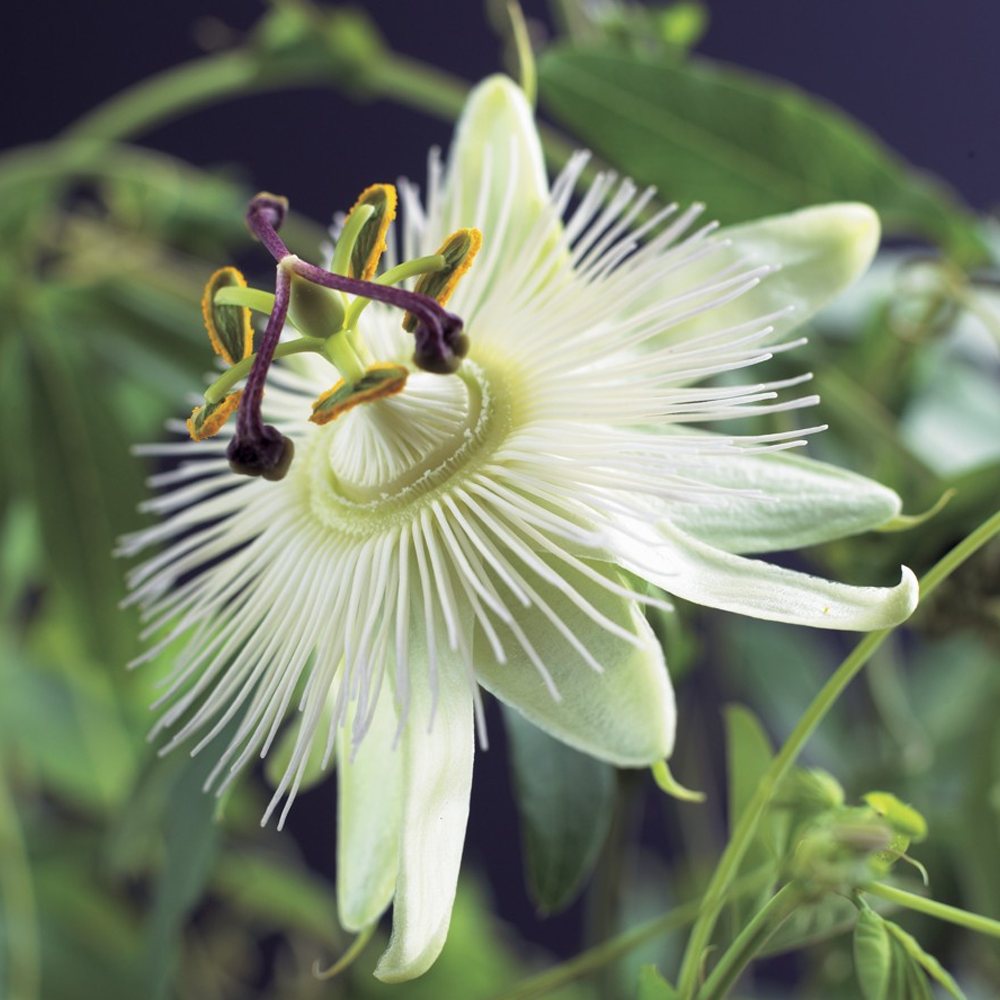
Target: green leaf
64	728
566	800
652	986
929	963
872	955
81	475
748	756
169	823
88	935
745	144
907	981
830	916
328	44
278	894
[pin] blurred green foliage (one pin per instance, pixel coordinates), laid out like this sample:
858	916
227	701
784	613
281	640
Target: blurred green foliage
114	871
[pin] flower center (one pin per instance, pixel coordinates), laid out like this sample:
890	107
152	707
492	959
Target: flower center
316	302
375	462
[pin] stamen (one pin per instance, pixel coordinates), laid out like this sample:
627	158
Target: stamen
206	421
378	382
458	251
440	343
228	326
369	244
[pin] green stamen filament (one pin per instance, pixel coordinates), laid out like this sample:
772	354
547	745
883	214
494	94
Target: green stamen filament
252	298
344	349
217	391
341	352
348	237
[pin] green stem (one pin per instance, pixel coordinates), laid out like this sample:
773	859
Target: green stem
527	73
592	961
415	85
751	939
412	84
165	96
746	827
858	411
942	911
210	79
18	900
218	389
169	95
358	945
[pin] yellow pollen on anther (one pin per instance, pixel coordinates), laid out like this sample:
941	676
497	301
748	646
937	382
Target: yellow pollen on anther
378	382
459	251
228	327
206	421
370	243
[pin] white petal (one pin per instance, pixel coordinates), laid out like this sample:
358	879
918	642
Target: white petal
369	817
799	502
624	714
437	783
496	143
820	251
697	572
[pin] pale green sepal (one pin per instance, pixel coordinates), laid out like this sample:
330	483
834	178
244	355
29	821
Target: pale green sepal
800	502
369	817
904	522
437	784
819	252
625	714
496	138
697	572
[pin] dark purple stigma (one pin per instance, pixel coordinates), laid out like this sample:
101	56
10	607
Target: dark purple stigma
440	343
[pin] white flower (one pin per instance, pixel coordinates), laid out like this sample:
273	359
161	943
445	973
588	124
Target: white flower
482	528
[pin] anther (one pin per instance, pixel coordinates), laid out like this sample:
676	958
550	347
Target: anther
228	327
369	243
378	382
206	421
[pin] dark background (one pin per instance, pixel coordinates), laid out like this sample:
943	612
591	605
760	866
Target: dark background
922	75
